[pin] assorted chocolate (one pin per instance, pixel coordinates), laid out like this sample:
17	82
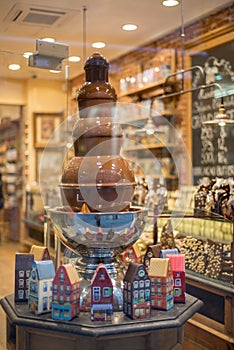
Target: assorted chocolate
215	197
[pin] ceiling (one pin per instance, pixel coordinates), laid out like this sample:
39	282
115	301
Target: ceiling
103	19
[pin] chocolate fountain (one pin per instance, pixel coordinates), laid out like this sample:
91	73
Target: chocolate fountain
97	220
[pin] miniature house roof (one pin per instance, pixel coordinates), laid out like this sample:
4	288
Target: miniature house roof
155	249
159	267
98	269
71	272
136	249
45	269
38	252
132	271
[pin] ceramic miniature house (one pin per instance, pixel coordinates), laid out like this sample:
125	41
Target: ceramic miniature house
40	286
66	293
23	266
132	254
101	295
161	277
153	251
136	292
40	252
178	268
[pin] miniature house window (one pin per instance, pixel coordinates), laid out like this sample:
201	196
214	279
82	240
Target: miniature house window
45	303
61	287
96	293
147	283
69	288
68	299
129	297
55	297
21	283
178	282
135	284
21	273
102	276
33	287
142	294
141	273
141	284
61	298
135	296
147	294
20	294
61	277
28	273
27	282
34	275
106	291
45	287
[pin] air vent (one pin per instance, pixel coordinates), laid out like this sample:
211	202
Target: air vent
37	15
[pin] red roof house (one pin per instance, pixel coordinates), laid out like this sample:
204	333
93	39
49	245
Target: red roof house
101	295
66	293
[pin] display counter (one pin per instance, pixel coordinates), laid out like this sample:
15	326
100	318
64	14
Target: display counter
162	331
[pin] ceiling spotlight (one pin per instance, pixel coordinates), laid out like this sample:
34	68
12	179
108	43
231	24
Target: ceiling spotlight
98	45
129	27
74	59
14	66
221	118
27	54
170	3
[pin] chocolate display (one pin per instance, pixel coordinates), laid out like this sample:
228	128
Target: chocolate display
97	220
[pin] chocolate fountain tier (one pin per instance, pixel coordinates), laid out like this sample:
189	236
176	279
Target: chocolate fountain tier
98	136
96	89
103	183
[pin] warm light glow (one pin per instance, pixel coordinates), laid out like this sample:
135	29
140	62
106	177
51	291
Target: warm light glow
74	59
55	71
98	45
129	27
50	40
222	123
27	54
14	66
170	3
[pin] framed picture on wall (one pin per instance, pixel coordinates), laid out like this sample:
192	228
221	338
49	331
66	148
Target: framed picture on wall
49	164
46	129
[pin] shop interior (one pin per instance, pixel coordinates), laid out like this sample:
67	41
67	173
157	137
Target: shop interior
169	81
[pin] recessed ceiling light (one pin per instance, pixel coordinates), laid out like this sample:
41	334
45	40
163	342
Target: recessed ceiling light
14	66
98	45
50	40
74	59
170	3
27	54
129	27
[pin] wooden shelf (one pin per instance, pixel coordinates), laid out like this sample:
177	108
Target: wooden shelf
148	146
147	88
